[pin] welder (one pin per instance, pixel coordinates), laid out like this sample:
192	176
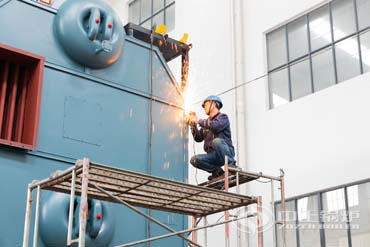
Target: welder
216	133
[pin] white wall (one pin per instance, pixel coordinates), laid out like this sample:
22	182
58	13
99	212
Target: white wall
320	140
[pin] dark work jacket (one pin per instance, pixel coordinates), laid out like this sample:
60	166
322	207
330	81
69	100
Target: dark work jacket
217	127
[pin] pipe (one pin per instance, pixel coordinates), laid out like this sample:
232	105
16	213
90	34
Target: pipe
194	225
37	216
183	231
27	220
84	206
283	207
141	213
71	208
227	227
259	221
273	213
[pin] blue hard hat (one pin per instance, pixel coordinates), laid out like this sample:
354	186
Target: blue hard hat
213	98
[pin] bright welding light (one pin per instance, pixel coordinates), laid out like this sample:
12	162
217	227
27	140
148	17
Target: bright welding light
188	106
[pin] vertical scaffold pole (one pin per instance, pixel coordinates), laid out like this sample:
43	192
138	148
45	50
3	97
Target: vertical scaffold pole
283	206
194	233
71	208
273	212
205	232
37	216
84	206
27	220
259	221
227	226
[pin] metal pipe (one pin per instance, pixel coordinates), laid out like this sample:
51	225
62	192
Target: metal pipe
227	227
71	208
27	220
238	226
141	213
253	174
259	221
205	232
60	175
273	213
37	216
4	80
182	232
283	206
194	225
84	206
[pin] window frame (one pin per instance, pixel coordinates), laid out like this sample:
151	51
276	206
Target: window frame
167	4
331	44
319	195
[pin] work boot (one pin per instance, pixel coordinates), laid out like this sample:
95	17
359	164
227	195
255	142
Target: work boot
216	173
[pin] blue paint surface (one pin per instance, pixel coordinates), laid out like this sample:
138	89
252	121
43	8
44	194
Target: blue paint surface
101	114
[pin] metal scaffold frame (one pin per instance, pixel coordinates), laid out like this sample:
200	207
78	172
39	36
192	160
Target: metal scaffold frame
132	189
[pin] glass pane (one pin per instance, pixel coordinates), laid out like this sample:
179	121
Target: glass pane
278	88
320	33
134	12
359	214
168	2
146	9
146	24
365	51
158	19
157	5
347	57
276	48
309	227
363	10
291	226
335	218
300	76
323	69
298	38
170	17
344	22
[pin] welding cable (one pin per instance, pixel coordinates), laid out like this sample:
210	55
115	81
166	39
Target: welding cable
150	125
237	86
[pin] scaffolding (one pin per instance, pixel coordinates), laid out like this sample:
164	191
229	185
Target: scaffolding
133	189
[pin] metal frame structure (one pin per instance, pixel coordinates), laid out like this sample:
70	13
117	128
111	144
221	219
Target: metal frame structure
234	177
133	189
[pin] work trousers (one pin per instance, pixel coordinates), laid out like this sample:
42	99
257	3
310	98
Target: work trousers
215	159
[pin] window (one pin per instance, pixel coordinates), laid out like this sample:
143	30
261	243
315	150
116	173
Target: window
326	46
152	12
336	217
20	95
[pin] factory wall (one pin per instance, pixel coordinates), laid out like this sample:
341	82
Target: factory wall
320	140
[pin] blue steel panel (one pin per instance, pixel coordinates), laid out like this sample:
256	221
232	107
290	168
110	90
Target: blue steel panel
124	119
29	28
108	124
89	128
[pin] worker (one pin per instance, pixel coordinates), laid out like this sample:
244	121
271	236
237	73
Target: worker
216	133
